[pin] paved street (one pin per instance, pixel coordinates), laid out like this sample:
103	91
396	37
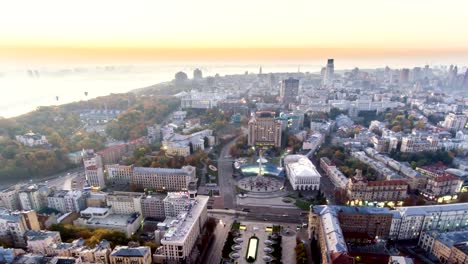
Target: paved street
220	234
225	179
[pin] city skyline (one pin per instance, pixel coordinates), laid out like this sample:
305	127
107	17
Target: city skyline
221	30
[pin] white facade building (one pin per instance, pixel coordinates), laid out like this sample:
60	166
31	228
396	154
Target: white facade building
124	202
94	170
415	219
31	139
455	122
95	217
163	179
182	232
301	173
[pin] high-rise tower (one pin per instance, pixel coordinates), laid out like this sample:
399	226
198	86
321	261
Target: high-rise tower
329	75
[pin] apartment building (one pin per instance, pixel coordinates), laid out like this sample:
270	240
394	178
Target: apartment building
124	202
360	189
338	179
181	232
163	179
119	174
94	169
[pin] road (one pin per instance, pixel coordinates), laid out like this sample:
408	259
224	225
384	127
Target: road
225	179
61	181
220	236
64	182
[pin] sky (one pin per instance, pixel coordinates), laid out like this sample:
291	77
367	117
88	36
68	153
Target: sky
57	30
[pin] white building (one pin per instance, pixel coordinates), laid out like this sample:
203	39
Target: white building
417	144
179	145
163	179
40	241
94	169
301	173
175	203
31	139
66	201
124	202
181	232
415	219
94	217
176	148
455	121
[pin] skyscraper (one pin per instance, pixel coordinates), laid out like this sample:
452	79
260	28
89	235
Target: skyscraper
329	73
289	90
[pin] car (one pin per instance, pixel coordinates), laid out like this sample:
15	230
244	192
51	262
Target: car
246	210
285	215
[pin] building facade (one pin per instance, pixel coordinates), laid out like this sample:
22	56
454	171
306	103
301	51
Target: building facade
119	174
130	255
264	129
124	202
455	121
301	173
388	190
94	170
336	176
163	179
289	90
181	232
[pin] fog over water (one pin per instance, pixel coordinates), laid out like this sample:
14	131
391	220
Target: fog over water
23	88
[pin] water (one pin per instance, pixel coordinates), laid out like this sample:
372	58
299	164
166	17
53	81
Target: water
23	88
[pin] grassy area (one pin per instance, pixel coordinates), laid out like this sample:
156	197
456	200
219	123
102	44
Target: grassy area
235	226
304	205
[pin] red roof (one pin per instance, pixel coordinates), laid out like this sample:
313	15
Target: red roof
445	177
92	167
386	183
341	258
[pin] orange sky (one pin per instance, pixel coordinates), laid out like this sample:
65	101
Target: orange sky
54	30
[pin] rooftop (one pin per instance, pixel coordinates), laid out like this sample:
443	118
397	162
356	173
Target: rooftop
428	209
451	238
182	171
300	166
180	227
361	210
33	235
115	220
125	251
334	235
